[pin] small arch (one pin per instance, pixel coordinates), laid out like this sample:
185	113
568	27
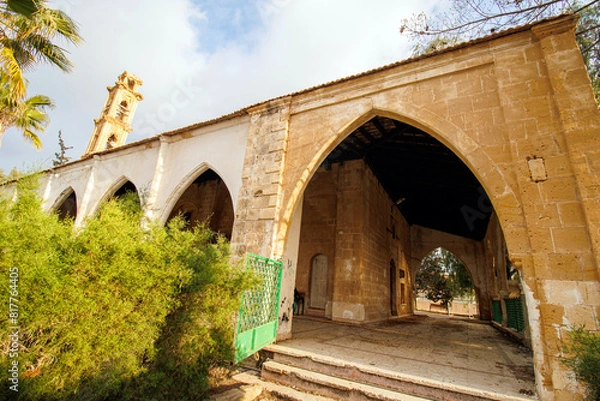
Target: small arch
66	204
119	188
443	266
127	187
206	200
183	185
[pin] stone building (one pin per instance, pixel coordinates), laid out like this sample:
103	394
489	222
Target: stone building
490	149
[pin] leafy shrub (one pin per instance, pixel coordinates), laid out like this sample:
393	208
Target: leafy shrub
583	350
113	310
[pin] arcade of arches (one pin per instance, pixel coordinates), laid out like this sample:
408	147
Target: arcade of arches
205	201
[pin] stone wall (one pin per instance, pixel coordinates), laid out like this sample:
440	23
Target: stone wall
349	218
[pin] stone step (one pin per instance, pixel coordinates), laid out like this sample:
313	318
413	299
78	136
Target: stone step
280	390
370	375
329	386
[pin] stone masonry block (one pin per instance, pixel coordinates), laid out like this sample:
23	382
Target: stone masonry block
565	266
541	240
591	289
571	214
571	239
562	292
559	190
557	166
580	315
547	215
552	314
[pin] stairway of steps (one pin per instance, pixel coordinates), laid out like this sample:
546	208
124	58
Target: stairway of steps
340	380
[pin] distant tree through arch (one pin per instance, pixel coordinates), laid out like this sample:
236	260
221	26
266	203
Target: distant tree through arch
442	278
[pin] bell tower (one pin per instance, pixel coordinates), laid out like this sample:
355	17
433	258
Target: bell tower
114	123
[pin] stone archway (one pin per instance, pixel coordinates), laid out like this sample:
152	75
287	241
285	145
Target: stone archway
446	198
464	302
66	204
207	200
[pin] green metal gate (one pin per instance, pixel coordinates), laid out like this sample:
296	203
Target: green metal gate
514	312
257	321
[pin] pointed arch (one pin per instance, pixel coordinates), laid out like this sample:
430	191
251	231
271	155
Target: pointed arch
205	199
119	187
65	204
183	185
476	289
486	171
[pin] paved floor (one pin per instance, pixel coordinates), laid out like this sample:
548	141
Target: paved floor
461	352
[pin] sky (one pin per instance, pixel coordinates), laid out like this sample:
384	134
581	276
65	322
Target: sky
201	59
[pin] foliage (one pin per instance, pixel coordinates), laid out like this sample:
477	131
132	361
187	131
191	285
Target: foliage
442	277
12	175
583	357
28	115
467	19
27	31
113	310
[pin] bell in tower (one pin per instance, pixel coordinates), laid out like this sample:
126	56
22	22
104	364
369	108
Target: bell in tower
114	123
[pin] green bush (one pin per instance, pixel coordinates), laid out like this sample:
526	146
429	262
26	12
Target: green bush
583	357
112	310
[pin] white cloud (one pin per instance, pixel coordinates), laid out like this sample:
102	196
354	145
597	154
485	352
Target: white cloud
201	60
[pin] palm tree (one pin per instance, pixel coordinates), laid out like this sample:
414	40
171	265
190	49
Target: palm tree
27	115
27	31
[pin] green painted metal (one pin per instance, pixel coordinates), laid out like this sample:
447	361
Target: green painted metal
497	311
259	311
514	314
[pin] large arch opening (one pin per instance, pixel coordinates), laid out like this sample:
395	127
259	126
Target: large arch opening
385	193
381	200
206	200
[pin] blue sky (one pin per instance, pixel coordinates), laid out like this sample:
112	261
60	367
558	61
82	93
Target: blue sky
224	55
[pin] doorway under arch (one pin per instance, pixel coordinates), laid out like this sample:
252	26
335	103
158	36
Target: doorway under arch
318	282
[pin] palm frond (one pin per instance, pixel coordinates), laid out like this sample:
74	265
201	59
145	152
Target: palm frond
12	72
33	138
23	7
40	47
56	22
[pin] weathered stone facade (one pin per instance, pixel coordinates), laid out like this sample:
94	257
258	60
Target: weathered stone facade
516	108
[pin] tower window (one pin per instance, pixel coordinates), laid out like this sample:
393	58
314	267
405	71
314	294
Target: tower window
122	111
112	142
